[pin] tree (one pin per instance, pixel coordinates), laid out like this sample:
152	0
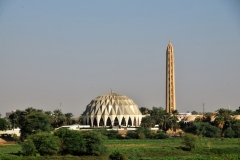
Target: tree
194	113
147	122
17	118
31	109
34	123
72	142
219	121
68	118
175	112
58	118
210	130
44	144
229	133
144	110
94	143
28	148
3	124
157	112
167	122
236	128
189	141
203	129
223	119
207	117
225	113
237	112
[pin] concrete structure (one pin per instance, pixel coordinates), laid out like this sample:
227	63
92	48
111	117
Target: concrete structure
170	80
112	110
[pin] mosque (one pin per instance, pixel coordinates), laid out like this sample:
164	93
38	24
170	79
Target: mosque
112	110
115	109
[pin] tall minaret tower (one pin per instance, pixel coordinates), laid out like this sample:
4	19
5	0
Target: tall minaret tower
170	80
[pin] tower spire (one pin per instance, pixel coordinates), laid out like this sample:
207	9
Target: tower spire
170	79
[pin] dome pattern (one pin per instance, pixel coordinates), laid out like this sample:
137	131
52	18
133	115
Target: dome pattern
112	109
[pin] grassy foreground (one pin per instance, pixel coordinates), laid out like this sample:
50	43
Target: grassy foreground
207	148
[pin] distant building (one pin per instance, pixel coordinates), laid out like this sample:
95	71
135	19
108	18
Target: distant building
9	113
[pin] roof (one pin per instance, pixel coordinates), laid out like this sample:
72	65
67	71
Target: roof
112	104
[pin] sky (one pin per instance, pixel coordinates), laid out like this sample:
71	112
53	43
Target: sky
70	52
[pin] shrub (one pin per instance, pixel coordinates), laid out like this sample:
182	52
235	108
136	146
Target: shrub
3	124
189	141
94	143
72	142
116	155
211	131
203	128
132	135
161	135
28	148
229	133
45	143
112	134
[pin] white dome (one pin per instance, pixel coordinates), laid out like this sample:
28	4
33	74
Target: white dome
114	107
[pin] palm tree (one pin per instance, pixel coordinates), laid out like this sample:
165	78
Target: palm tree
208	117
167	122
58	118
219	121
68	118
222	118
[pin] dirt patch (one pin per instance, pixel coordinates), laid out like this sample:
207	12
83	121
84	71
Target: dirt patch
122	132
4	140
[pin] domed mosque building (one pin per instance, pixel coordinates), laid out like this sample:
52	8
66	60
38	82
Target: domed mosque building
112	110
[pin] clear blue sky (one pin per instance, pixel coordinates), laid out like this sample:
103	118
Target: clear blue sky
70	52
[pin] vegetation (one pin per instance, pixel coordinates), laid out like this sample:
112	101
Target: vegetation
41	143
3	124
72	142
189	141
94	143
33	123
207	131
116	155
171	148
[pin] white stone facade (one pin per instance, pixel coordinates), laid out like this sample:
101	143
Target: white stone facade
112	110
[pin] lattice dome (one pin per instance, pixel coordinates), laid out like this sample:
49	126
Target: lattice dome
113	107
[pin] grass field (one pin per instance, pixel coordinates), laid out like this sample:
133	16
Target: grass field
150	149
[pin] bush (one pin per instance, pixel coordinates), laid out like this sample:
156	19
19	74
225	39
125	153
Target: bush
189	141
45	143
28	148
229	133
3	124
132	135
94	143
72	142
161	135
203	128
116	155
112	134
211	131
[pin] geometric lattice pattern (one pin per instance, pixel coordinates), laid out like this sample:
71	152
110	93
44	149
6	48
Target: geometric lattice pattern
113	106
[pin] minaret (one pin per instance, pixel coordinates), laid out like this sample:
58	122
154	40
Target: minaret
170	80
